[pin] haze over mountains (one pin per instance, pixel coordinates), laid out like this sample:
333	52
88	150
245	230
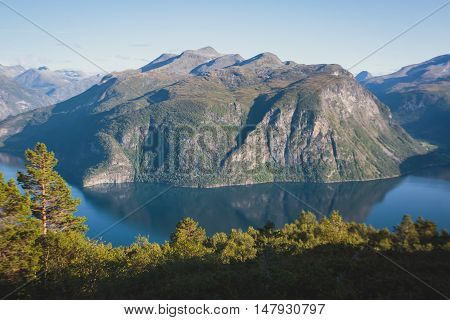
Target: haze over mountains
11	71
419	98
201	118
15	99
23	90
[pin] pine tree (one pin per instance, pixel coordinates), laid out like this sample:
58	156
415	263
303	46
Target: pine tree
19	257
13	205
239	247
426	229
51	197
188	241
407	235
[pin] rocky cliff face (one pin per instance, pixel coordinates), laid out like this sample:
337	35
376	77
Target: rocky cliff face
326	128
205	119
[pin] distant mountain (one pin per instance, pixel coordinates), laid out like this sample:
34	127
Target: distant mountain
59	85
23	89
419	98
183	63
362	76
218	63
15	99
201	118
11	71
265	59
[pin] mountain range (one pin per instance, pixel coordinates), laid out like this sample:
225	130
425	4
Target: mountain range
202	118
27	89
15	99
419	98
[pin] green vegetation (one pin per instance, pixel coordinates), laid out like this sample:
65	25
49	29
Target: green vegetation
51	199
44	245
297	122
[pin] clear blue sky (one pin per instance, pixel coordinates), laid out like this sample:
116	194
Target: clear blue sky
119	35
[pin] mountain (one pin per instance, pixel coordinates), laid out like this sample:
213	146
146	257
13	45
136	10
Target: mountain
362	76
58	85
202	118
218	63
265	59
15	99
183	63
11	71
419	98
23	89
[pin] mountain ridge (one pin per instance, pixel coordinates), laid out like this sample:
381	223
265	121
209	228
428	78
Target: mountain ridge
27	89
363	75
419	98
59	85
222	124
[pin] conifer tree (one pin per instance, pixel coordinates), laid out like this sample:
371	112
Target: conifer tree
188	240
426	229
19	257
240	247
13	205
407	235
51	198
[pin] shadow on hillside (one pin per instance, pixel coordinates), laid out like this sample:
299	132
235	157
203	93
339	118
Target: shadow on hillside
438	157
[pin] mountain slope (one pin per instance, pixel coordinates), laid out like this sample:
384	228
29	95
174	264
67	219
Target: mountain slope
419	98
326	128
218	63
58	85
23	90
15	99
362	76
183	63
11	71
256	120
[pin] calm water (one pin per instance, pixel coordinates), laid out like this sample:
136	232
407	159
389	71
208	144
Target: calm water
380	203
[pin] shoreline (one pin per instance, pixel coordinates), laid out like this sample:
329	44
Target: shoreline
217	186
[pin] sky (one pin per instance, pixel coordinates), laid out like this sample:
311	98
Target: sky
119	35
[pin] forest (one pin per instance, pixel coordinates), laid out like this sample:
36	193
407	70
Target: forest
45	254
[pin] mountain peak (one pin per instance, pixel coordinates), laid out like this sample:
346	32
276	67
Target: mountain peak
11	71
435	69
363	75
182	63
265	58
43	68
445	58
218	63
208	52
163	57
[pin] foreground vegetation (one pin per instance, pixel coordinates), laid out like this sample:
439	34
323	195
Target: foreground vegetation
44	246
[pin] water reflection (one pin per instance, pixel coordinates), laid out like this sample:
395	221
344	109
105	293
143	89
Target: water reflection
220	209
380	203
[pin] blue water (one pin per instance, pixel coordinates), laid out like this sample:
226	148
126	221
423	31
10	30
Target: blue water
113	213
